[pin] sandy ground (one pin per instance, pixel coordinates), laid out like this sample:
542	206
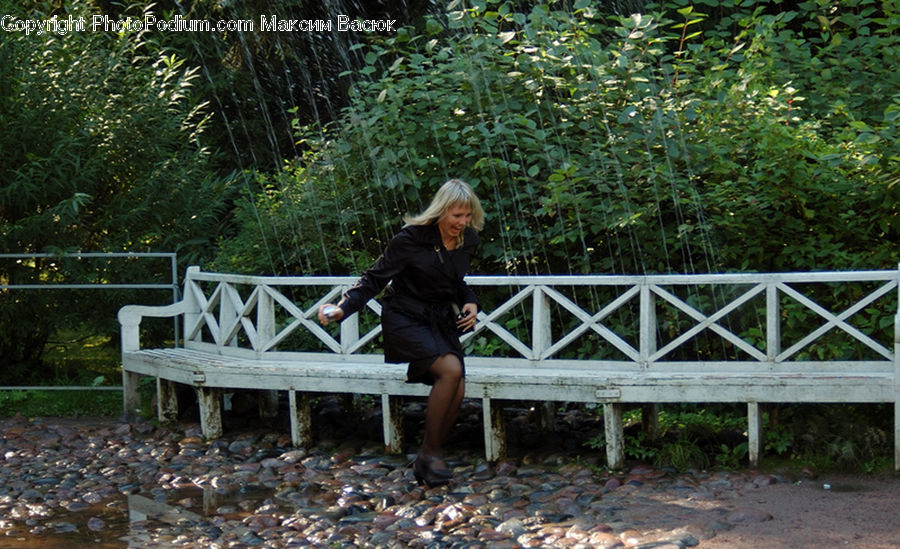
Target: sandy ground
854	511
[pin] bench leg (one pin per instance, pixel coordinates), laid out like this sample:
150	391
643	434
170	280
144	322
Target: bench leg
210	401
131	397
494	430
546	416
615	435
754	433
352	404
897	427
392	423
650	420
166	400
268	403
301	418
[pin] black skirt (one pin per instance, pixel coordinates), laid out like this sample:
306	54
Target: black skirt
418	333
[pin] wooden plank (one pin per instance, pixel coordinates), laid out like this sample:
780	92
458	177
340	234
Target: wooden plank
647	327
131	397
615	435
209	399
208	316
504	368
192	306
215	366
573	280
392	423
836	391
350	333
265	321
358	342
229	315
166	400
754	434
699	366
300	418
773	323
897	387
540	322
494	430
200	313
240	317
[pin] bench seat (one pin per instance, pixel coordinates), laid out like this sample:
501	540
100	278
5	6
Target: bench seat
368	375
488	382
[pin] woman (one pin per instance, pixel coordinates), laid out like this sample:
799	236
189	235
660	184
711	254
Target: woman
427	304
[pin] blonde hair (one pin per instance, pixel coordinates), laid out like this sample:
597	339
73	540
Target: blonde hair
453	193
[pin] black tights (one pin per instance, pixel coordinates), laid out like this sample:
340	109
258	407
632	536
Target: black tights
443	402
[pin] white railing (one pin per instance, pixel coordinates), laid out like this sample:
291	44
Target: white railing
641	323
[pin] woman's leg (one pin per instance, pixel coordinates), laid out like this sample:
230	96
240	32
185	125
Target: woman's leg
443	402
453	411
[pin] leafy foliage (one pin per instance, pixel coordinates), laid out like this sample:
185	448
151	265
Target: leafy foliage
853	437
667	141
102	150
60	403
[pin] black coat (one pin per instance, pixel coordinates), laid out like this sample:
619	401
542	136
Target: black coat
425	280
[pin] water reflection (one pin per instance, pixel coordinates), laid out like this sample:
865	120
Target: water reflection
195	503
99	526
188	513
142	509
133	520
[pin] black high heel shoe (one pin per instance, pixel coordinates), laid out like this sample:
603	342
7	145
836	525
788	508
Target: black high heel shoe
426	473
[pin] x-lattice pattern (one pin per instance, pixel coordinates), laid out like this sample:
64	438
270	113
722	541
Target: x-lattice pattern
226	315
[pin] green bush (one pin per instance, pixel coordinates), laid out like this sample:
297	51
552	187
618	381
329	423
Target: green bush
826	437
846	437
667	141
34	403
102	149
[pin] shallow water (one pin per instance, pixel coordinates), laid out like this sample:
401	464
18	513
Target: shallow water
100	525
114	523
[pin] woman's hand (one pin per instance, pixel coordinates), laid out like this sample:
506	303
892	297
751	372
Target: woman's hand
469	313
329	313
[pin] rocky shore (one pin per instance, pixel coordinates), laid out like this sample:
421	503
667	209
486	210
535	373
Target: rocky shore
107	483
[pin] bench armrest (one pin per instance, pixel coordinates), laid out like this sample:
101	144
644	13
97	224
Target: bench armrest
131	315
130	320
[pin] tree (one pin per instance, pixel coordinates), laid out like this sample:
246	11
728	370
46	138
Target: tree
102	150
667	141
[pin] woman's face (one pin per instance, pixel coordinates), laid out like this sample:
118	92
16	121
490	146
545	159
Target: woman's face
452	223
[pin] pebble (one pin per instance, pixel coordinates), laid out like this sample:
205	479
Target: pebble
254	490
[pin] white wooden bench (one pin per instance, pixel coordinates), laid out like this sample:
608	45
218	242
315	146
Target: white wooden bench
652	339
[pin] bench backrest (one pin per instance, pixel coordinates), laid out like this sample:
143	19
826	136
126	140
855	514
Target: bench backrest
784	322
